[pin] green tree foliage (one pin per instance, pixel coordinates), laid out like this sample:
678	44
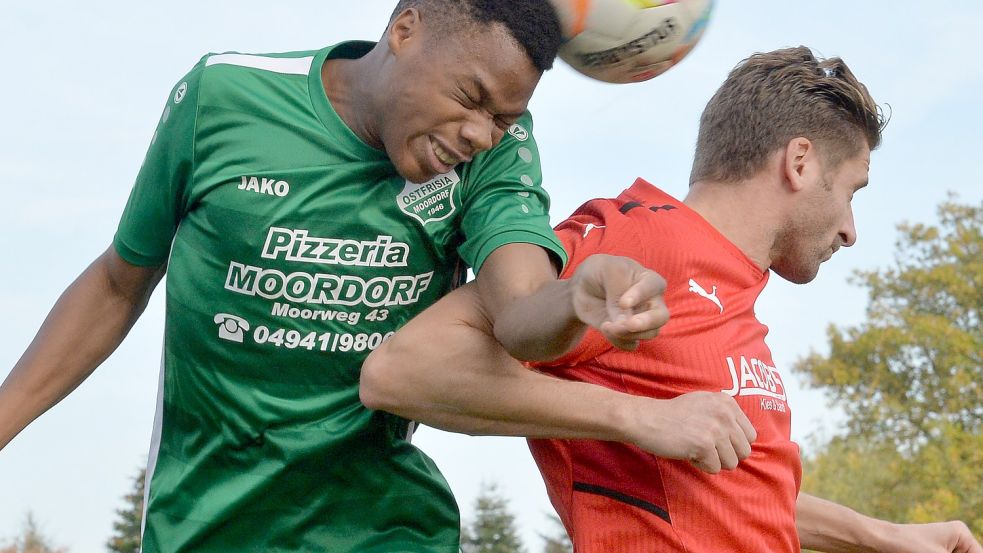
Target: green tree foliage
31	540
557	541
493	529
126	528
910	380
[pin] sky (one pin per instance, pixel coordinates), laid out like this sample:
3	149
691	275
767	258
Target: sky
85	84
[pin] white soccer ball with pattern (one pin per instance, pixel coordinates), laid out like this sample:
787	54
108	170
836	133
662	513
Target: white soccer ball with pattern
625	41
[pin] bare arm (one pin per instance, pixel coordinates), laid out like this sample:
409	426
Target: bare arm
477	388
87	323
833	528
537	317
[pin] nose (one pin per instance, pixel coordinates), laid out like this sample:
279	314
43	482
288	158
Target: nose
480	131
848	233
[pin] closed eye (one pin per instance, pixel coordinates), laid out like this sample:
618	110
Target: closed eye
468	101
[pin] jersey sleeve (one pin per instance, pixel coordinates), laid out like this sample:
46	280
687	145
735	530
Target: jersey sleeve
159	198
596	227
504	201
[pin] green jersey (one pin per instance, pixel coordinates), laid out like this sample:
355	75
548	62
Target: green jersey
294	249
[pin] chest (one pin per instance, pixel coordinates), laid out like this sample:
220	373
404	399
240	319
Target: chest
715	343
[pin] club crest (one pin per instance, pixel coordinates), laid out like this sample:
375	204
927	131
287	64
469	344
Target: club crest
429	201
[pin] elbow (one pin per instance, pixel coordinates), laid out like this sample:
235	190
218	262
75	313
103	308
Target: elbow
527	351
376	389
506	339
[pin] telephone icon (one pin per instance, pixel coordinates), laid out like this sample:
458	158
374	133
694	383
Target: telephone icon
231	327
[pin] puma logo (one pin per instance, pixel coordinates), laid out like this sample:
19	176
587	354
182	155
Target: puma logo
590	227
699	291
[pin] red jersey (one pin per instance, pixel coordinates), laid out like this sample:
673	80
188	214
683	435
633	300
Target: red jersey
615	497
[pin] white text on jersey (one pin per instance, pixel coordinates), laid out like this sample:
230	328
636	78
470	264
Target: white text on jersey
272	187
756	378
326	289
296	245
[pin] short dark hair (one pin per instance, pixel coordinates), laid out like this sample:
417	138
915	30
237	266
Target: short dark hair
771	98
532	23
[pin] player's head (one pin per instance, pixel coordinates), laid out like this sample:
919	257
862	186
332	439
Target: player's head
460	73
771	98
812	123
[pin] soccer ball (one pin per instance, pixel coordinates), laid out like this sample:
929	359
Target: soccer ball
626	41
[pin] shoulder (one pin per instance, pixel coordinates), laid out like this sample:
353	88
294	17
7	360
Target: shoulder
642	223
597	227
521	130
238	63
229	73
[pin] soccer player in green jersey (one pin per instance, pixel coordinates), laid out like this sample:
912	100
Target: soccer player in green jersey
304	206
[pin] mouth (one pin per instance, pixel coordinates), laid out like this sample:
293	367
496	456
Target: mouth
445	160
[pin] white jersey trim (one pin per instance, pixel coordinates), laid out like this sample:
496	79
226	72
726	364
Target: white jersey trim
154	448
289	66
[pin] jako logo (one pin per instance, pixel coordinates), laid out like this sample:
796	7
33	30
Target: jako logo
519	132
182	89
272	187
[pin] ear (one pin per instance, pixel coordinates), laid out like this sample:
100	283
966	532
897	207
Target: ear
403	29
802	164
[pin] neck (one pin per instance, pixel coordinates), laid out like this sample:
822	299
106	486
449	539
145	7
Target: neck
350	87
748	213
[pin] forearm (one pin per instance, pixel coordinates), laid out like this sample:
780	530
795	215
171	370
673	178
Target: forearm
537	318
85	325
833	528
532	313
468	383
541	326
472	385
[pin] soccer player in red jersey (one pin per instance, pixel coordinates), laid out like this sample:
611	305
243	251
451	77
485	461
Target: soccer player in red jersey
783	146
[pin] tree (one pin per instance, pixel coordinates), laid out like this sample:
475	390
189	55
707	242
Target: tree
493	529
126	538
559	541
31	540
910	380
